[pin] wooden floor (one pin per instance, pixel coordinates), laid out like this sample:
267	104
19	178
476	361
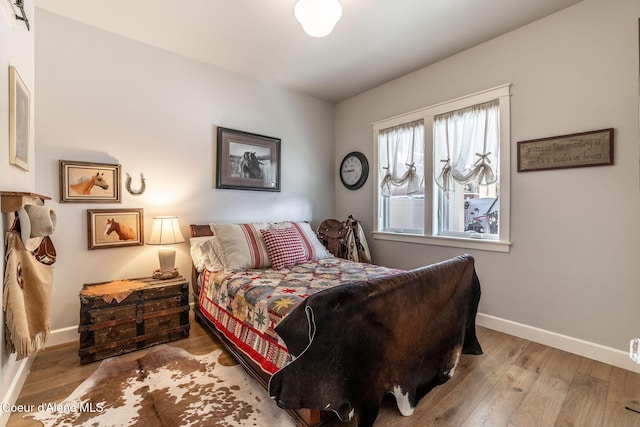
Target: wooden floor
515	383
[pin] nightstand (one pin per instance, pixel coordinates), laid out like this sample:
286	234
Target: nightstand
126	315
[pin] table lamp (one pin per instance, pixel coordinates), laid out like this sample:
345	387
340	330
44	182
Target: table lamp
166	232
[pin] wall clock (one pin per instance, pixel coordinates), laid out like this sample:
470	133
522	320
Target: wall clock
354	170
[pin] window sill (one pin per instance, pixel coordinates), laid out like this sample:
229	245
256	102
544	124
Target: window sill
455	242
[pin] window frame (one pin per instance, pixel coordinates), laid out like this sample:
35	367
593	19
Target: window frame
430	236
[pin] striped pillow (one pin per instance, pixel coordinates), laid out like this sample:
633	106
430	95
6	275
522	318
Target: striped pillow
242	245
284	247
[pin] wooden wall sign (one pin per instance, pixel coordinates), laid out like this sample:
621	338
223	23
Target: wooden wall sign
576	150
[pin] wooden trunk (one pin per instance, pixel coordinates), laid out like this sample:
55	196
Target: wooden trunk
154	314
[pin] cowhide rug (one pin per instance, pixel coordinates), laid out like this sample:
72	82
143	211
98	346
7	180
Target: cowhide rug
166	387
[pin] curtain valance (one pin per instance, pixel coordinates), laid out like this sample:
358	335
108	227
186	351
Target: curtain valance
402	157
466	145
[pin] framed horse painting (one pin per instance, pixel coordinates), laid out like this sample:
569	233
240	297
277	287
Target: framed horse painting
247	161
111	228
84	182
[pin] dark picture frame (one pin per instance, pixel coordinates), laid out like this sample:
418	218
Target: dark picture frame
114	228
593	148
19	120
87	182
247	161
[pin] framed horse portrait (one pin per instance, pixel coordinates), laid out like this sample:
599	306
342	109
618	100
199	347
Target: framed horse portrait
84	182
114	228
247	161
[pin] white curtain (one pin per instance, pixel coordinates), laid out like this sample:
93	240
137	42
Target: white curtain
401	159
466	145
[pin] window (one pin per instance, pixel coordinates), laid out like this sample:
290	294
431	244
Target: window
443	173
401	157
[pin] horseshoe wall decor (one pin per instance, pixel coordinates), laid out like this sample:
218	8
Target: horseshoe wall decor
142	185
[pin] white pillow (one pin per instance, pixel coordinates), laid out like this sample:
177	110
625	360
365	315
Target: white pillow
313	247
204	254
242	245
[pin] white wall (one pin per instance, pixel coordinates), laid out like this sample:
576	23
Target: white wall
16	49
573	267
104	98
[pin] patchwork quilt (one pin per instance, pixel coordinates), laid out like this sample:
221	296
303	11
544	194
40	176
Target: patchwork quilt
247	305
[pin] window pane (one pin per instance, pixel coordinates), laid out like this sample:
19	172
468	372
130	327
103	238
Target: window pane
469	210
404	214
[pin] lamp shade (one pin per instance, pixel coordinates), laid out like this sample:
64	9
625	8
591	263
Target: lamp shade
165	231
318	17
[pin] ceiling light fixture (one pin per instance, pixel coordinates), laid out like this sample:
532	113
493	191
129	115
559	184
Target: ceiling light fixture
318	17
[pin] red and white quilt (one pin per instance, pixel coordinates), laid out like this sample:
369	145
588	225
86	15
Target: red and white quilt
246	305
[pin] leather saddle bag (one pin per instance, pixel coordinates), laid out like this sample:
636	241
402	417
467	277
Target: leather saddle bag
333	235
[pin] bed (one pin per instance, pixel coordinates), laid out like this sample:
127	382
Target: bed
290	313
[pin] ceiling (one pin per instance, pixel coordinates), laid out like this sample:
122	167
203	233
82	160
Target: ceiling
374	42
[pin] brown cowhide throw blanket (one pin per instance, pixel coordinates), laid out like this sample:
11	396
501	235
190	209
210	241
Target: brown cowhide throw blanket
400	334
166	387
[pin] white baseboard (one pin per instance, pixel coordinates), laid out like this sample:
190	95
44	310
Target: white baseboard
577	346
63	336
11	396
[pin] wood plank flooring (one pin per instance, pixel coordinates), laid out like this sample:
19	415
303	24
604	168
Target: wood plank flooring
515	383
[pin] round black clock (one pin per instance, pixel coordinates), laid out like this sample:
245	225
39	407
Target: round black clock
354	170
